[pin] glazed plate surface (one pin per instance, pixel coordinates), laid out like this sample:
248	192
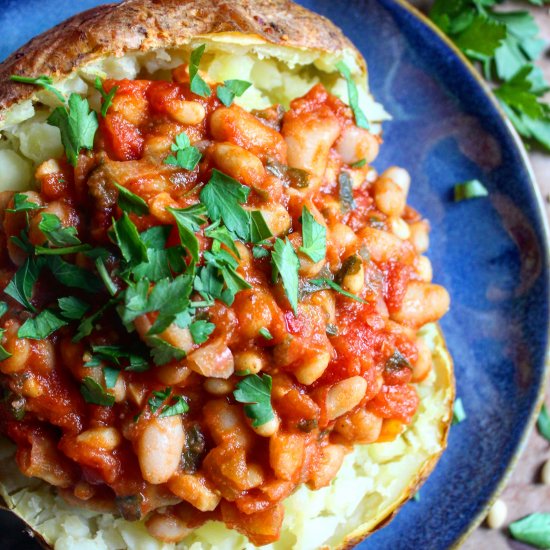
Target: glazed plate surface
490	253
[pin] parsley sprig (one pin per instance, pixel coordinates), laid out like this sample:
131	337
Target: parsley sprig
504	45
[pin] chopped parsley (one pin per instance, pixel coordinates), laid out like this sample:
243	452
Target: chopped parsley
189	221
179	406
130	202
93	393
4	353
255	392
347	201
128	240
285	264
459	414
186	156
265	333
44	81
56	233
324	282
72	308
359	163
353	95
107	97
314	237
22	203
77	124
533	529
22	283
158	399
543	423
198	85
41	326
471	189
201	330
223	196
230	89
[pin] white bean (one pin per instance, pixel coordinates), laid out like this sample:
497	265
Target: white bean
107	439
496	517
399	176
159	449
423	303
356	144
345	396
313	368
187	112
167	527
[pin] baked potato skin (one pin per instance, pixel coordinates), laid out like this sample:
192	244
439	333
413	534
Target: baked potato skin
142	25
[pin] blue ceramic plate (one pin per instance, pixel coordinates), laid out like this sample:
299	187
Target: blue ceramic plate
491	253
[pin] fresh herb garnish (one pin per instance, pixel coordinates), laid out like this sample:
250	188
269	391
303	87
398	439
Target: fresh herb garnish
314	237
223	196
533	530
471	189
285	263
130	202
186	156
543	423
105	277
255	392
198	85
505	44
347	202
22	203
325	282
41	326
45	81
179	406
128	240
231	89
259	230
162	352
265	333
72	308
107	97
189	221
359	163
21	285
93	393
72	275
360	118
119	356
56	233
459	414
77	124
201	330
4	353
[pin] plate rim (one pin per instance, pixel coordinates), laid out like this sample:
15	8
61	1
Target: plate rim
430	26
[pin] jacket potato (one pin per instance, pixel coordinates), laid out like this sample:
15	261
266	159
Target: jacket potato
293	58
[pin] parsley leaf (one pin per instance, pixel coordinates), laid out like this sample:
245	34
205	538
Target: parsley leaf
111	376
359	163
105	277
92	392
45	81
201	330
221	235
78	126
130	202
198	85
360	118
286	264
107	97
481	38
128	240
543	423
72	275
231	89
22	203
186	156
56	233
180	406
259	230
471	189
4	353
118	355
72	308
163	352
158	398
41	326
265	333
189	221
459	414
21	285
324	282
223	197
255	391
314	237
533	530
347	201
87	324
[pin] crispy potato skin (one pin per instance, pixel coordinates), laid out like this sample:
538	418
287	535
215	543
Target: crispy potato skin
142	25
